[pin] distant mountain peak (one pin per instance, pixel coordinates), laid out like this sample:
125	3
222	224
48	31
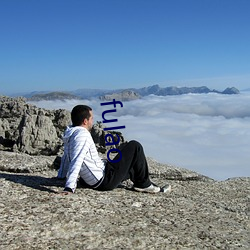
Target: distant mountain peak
230	91
56	95
125	95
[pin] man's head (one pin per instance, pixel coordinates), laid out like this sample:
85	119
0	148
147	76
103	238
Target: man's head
81	115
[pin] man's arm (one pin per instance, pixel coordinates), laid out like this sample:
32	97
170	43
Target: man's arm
78	148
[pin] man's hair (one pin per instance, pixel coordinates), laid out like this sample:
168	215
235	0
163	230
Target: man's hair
79	113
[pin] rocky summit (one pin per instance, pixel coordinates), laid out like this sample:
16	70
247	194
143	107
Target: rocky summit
199	213
36	131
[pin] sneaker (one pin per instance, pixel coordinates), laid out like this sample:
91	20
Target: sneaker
154	189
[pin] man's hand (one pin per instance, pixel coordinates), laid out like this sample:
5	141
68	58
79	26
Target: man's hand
66	191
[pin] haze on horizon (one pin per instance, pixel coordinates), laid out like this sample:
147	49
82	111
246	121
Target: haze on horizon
66	45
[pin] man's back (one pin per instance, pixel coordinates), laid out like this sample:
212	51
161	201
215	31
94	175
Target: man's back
80	157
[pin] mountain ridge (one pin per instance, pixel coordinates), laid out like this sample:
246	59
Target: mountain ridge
130	93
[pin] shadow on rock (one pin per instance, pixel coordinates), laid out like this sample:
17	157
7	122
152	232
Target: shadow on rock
35	182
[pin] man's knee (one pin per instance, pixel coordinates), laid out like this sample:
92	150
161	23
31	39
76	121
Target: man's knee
135	144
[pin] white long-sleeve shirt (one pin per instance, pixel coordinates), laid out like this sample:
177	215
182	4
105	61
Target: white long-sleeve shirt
80	157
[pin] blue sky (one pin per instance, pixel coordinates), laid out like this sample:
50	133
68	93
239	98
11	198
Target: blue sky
66	45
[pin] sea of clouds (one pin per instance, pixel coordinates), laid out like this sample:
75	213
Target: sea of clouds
207	133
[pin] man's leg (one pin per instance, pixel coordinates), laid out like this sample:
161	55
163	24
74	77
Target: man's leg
133	164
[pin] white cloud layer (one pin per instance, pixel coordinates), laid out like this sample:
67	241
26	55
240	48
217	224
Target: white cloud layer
207	133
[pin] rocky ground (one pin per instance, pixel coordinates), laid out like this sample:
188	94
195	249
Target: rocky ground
199	213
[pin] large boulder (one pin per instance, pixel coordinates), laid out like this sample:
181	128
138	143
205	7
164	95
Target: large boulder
98	134
27	128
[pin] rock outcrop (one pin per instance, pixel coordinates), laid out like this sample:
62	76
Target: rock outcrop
98	135
125	95
28	129
36	131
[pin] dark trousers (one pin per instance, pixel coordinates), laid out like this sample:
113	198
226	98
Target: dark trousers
133	165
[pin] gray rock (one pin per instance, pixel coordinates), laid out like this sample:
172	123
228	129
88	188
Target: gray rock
125	95
98	135
26	128
17	162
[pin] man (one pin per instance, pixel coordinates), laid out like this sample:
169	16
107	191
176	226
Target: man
81	158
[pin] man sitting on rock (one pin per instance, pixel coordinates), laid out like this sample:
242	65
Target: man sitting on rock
81	158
